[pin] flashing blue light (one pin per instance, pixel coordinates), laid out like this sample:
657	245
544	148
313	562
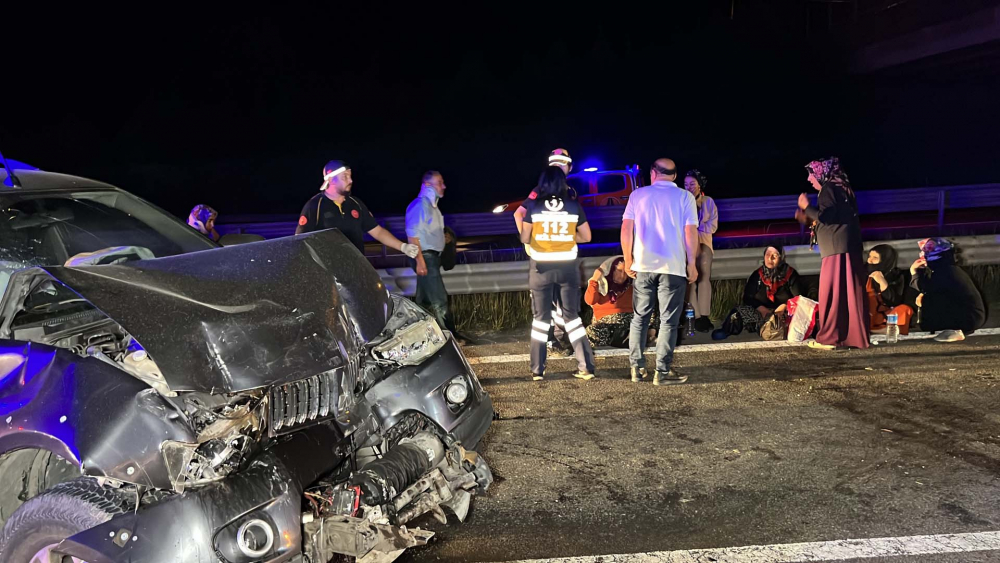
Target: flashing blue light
590	169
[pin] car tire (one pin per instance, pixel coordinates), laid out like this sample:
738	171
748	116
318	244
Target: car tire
26	473
56	514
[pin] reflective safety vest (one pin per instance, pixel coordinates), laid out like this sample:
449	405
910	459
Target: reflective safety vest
553	232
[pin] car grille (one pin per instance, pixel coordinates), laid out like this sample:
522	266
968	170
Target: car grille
305	401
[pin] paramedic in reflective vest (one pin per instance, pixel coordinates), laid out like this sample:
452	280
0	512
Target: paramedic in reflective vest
561	159
335	208
551	230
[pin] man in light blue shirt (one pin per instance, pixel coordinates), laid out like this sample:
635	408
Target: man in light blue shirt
425	228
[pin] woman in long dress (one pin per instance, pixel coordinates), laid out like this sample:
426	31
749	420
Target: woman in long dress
843	302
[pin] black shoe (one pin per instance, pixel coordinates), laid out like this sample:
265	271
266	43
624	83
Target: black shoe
537	377
703	324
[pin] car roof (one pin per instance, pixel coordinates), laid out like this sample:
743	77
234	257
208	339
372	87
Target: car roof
40	180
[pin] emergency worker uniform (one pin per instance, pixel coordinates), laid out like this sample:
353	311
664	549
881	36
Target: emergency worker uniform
351	218
558	322
554	273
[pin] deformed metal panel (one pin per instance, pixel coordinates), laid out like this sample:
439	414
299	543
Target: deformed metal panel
242	317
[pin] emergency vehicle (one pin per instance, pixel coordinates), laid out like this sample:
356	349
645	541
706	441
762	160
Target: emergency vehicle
595	188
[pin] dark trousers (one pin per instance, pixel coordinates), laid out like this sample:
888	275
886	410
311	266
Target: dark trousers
431	294
558	324
546	280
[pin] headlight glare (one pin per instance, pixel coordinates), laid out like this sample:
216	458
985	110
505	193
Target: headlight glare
500	208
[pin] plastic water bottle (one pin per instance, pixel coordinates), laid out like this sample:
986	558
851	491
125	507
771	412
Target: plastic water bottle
689	314
892	328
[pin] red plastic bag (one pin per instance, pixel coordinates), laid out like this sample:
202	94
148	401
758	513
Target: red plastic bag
803	312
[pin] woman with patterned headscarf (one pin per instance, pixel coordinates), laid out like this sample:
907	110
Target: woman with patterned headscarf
767	292
949	301
843	303
700	292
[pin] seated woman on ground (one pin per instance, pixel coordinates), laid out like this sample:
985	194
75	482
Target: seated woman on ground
888	290
609	293
949	301
767	292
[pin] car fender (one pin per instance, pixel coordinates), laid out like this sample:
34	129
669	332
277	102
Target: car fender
86	411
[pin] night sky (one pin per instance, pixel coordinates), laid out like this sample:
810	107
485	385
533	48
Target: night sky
241	110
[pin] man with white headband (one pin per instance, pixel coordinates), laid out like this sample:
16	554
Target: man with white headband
335	208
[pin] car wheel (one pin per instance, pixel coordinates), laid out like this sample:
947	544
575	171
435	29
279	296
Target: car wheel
26	473
63	511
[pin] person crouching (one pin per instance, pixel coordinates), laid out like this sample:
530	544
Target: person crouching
609	293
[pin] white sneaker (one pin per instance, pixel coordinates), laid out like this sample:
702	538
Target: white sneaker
950	336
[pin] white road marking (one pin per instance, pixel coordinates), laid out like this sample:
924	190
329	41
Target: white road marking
838	550
722	346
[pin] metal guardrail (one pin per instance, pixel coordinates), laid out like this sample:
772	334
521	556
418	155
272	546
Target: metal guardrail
728	264
731	210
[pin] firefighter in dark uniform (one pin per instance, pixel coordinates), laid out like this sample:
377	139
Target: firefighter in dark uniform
335	208
561	159
551	229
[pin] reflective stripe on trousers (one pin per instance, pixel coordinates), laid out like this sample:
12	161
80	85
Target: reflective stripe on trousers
546	281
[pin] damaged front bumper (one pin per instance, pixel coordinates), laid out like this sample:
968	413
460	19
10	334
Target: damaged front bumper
258	514
203	524
422	390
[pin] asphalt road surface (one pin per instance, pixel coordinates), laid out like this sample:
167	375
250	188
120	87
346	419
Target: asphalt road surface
760	447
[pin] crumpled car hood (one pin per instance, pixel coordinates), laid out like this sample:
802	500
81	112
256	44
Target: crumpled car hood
245	316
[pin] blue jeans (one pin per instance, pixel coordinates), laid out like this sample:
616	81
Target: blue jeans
648	290
431	293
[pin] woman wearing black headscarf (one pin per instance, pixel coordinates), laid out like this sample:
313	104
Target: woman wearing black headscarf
950	302
888	290
766	292
843	305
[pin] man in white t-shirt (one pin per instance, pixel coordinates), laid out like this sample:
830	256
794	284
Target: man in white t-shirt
660	242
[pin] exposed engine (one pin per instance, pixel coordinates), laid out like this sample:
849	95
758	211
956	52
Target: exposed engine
108	342
55	316
365	515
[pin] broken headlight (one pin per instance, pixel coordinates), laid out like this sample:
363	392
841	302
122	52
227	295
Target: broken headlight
412	335
223	444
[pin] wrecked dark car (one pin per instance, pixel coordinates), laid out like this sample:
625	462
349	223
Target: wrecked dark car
166	399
